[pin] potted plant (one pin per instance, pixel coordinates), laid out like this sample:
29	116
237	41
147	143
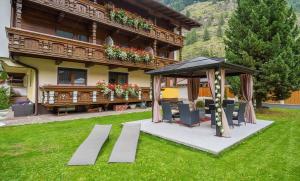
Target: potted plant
3	77
4	102
200	105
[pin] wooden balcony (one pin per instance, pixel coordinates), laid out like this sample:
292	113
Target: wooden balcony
31	43
100	14
56	96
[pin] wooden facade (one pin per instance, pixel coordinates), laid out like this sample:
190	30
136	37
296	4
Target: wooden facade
78	31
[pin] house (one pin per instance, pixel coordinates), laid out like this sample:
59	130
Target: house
60	49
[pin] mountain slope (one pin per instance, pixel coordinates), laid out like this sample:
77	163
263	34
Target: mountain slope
214	15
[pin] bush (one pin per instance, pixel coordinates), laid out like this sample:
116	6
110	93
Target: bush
200	104
4	99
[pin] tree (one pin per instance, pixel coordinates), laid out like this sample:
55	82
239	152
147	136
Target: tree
188	13
206	35
263	35
219	31
191	37
221	20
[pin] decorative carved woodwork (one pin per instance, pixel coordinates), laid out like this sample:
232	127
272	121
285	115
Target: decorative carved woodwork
19	13
155	47
55	96
48	46
100	14
94	32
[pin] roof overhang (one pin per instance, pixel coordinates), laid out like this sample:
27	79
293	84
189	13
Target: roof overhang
198	67
160	8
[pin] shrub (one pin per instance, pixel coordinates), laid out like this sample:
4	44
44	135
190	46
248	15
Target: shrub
200	104
4	98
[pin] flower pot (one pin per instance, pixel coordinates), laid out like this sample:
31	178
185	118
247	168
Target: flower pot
3	114
132	106
201	112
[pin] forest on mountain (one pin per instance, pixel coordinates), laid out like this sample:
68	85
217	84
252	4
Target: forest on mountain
213	15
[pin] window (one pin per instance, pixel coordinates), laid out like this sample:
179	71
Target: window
64	34
118	78
82	38
67	76
16	79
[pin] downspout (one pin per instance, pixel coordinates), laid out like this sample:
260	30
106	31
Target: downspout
36	83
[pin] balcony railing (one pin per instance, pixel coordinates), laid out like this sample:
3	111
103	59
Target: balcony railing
55	96
43	45
99	13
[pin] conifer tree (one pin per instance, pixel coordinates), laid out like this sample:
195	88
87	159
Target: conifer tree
263	34
219	31
206	35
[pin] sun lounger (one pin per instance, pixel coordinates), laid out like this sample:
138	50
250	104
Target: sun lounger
124	150
88	151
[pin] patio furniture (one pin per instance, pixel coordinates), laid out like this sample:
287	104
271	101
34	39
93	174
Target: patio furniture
167	112
229	114
188	117
23	109
207	102
88	151
225	102
124	150
241	114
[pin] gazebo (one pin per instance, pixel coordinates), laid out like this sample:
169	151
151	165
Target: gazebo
215	70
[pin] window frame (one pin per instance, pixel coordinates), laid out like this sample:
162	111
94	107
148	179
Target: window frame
118	73
72	81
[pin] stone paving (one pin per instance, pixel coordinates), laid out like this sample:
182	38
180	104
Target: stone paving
72	116
202	137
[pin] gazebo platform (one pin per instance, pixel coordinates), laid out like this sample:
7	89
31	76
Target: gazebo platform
202	137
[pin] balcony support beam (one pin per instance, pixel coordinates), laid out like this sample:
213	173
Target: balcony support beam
93	30
89	64
133	69
180	50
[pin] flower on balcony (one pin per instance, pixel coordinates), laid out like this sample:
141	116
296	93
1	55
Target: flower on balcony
133	90
129	54
120	90
104	88
123	17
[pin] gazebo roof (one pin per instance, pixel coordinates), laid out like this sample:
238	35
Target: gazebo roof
197	67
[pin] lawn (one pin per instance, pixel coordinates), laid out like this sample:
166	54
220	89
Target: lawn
40	152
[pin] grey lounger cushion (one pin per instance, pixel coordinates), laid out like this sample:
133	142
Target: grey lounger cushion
88	151
124	150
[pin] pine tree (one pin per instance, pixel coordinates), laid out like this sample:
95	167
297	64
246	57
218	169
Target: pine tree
263	35
206	35
219	31
191	37
221	20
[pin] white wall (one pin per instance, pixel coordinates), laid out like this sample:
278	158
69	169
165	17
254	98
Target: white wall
5	13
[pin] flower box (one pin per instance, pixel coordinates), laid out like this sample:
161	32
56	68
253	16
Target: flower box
120	107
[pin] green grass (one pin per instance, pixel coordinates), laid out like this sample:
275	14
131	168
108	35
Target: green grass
40	152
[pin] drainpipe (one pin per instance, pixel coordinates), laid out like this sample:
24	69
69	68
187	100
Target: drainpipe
36	83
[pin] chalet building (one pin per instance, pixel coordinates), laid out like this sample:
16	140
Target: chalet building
60	49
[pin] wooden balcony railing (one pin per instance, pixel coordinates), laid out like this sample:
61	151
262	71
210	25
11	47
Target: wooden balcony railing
55	96
99	13
43	45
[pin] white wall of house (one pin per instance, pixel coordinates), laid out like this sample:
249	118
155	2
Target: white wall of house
48	74
5	13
